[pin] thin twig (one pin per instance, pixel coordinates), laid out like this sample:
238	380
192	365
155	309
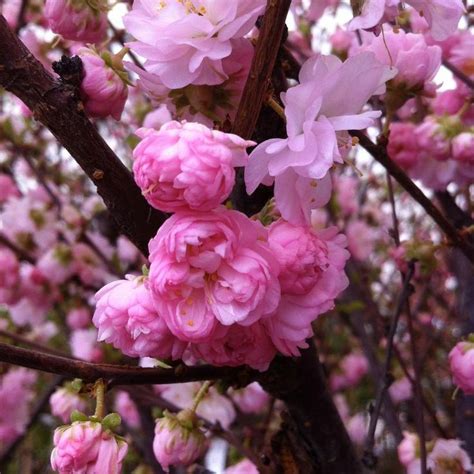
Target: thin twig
458	73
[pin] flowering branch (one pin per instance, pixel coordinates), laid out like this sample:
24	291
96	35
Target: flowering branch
56	106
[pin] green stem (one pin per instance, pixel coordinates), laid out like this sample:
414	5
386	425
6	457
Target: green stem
100	399
200	395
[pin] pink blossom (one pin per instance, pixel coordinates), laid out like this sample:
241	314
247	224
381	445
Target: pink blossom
461	53
56	264
463	148
85	446
214	407
341	40
357	428
127	409
211	270
78	318
408	449
401	390
126	317
415	61
9	277
448	456
185	43
449	102
77	21
178	440
84	345
16	392
88	265
312	275
461	363
126	251
361	239
238	345
318	113
403	144
104	85
354	366
158	117
187	165
251	399
242	467
7	188
64	401
10	9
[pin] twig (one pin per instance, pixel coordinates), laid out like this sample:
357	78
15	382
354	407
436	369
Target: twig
19	252
380	154
369	458
258	81
117	374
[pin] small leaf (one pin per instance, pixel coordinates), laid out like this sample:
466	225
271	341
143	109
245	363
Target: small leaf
111	421
78	416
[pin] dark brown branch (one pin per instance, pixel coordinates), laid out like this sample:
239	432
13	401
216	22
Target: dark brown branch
379	152
258	81
118	374
56	107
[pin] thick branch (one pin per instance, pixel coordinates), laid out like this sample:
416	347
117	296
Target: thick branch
56	107
380	154
118	374
258	81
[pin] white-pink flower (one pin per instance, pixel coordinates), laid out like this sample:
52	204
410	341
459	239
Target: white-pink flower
185	42
319	112
449	456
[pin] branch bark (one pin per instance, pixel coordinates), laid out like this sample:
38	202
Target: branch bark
55	106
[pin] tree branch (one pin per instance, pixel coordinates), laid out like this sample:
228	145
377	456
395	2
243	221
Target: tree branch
380	154
56	107
119	374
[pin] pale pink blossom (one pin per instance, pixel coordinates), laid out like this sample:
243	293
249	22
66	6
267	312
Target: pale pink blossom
401	390
158	117
125	317
7	188
187	165
354	366
403	145
57	264
461	363
78	318
408	449
9	277
361	239
415	61
64	401
126	251
211	270
104	85
16	392
448	456
185	42
318	113
84	345
312	275
251	399
89	267
178	439
242	467
463	148
85	446
77	20
357	428
127	409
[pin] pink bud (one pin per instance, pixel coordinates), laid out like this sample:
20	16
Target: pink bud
461	362
64	401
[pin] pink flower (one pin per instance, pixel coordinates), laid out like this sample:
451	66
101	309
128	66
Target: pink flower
408	449
461	363
64	401
354	366
357	428
84	345
242	467
7	188
77	21
463	146
448	456
415	61
401	390
16	392
56	264
78	318
178	439
318	114
361	239
185	43
251	399
312	275
104	86
212	269
85	446
187	165
127	409
238	345
126	317
9	277
403	144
